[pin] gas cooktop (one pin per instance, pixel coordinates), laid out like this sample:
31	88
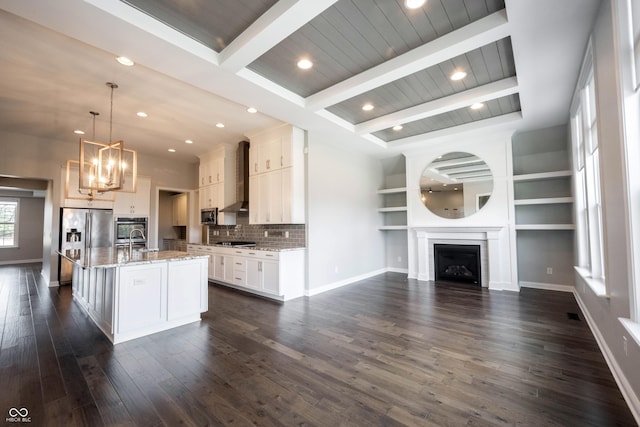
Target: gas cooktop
237	243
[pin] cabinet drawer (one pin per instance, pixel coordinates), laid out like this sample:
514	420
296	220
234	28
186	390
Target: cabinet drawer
239	277
239	264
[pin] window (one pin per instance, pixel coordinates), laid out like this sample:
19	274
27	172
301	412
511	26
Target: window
8	222
588	201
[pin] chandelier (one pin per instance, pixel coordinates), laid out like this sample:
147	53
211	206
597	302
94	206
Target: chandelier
105	167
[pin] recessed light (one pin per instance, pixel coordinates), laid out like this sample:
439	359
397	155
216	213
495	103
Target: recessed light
305	64
477	106
397	127
444	185
124	61
252	110
455	188
367	107
414	4
458	75
78	132
219	125
142	114
188	141
171	150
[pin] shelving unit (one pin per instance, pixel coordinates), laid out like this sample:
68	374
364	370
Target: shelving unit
543	208
394	201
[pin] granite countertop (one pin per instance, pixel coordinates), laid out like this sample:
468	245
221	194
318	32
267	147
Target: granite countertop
117	257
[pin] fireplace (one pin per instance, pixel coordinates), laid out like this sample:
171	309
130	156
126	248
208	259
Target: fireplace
457	263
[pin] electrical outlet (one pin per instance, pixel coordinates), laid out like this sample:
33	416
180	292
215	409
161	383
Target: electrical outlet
266	234
624	344
549	270
227	233
286	234
336	269
399	259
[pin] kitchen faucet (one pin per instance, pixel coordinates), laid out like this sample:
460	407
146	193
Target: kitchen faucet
139	230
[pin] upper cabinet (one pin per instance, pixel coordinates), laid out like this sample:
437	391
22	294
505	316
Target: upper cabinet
179	210
276	167
134	203
217	181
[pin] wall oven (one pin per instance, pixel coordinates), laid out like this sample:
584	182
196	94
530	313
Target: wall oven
123	231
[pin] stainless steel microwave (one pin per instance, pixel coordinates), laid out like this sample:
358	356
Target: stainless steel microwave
209	216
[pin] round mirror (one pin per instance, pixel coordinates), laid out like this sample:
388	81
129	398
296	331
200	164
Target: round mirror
456	185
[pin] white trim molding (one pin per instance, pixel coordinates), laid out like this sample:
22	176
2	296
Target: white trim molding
547	286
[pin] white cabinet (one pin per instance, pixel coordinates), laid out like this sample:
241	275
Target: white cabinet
128	203
276	183
142	297
217	181
179	210
186	295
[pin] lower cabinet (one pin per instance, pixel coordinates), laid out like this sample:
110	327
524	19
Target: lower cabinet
274	274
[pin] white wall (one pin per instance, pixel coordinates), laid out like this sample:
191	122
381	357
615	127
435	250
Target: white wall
602	312
27	156
343	240
495	150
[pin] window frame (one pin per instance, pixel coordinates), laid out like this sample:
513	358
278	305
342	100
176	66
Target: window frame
587	181
15	223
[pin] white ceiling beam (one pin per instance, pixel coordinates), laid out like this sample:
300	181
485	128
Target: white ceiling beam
477	34
279	22
156	28
467	98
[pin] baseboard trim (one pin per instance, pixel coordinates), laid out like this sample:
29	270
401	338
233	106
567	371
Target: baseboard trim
398	270
547	286
21	261
623	384
345	282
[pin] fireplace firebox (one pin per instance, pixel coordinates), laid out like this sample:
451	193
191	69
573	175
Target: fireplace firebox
457	263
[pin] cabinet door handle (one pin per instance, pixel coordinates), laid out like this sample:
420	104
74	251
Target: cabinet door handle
209	179
255	167
268	164
281	160
218	177
259	265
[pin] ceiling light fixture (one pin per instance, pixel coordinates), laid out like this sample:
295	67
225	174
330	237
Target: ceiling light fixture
305	64
171	150
252	110
367	107
125	61
458	75
142	114
78	132
477	106
397	127
414	4
188	141
102	166
220	125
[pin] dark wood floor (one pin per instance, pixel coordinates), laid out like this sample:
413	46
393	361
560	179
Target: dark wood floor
387	351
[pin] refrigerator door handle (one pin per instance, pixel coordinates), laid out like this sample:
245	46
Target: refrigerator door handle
87	231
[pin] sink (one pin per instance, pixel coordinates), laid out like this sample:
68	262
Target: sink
145	250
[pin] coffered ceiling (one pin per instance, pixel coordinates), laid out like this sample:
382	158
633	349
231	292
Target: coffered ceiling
202	62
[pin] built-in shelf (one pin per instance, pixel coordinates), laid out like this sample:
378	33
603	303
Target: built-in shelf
544	201
393	209
393	190
394	206
545	227
393	227
541	176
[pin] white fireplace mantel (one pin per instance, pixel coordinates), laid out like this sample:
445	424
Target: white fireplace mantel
498	257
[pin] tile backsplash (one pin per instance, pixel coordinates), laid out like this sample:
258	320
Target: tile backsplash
276	234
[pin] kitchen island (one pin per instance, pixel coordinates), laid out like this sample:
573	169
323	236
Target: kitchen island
131	295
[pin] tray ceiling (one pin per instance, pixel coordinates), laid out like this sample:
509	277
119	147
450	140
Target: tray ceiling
363	51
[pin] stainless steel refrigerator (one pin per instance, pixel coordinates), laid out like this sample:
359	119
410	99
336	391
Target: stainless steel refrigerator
82	229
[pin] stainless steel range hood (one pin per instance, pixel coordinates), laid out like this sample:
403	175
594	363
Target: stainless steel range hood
242	185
